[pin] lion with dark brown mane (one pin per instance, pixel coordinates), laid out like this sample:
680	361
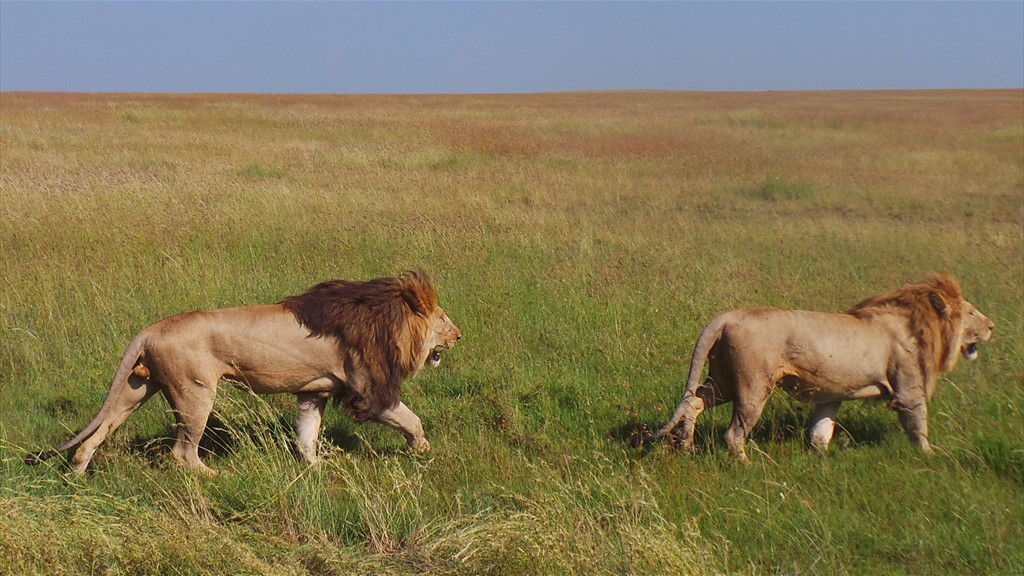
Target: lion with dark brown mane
892	347
351	341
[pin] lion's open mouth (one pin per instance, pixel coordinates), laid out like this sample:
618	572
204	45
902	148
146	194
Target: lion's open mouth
435	358
970	351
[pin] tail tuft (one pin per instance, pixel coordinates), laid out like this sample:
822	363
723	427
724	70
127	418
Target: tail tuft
39	457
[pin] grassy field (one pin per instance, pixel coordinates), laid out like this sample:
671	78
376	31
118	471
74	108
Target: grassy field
581	242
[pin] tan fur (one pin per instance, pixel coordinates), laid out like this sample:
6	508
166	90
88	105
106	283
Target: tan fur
351	341
891	346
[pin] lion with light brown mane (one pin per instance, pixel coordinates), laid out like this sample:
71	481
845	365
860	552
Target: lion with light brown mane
891	347
351	341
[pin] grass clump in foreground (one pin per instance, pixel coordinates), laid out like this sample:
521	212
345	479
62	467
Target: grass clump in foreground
581	242
269	514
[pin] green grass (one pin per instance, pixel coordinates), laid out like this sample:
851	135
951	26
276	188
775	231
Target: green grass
258	172
775	189
581	242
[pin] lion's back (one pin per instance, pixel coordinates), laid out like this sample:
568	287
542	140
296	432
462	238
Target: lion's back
814	346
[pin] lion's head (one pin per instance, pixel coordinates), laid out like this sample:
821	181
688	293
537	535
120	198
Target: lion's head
976	328
395	324
443	335
944	324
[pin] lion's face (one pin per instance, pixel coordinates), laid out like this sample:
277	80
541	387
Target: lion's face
976	328
442	334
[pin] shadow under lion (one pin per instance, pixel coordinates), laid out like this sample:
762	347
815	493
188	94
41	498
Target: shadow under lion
783	422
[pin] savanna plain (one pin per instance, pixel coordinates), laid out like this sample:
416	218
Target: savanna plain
581	242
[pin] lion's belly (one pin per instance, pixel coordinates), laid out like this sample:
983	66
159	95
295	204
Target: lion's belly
829	369
816	392
268	367
291	384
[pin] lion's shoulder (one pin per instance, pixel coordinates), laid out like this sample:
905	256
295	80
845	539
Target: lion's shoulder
384	319
931	311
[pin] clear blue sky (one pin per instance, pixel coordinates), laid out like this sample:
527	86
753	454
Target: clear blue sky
488	47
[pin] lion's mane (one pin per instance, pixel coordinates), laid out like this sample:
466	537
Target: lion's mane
933	313
385	320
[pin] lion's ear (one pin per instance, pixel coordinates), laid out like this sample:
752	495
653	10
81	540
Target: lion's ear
412	298
418	292
940	305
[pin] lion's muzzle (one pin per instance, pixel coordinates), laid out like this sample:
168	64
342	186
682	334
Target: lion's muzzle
435	354
448	335
970	351
980	331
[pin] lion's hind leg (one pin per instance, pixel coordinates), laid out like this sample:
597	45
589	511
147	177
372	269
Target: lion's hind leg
747	408
192	405
131	398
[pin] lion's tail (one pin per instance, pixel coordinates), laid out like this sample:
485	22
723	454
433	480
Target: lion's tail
708	338
128	362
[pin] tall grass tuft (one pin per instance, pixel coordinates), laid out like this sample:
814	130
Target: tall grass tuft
576	523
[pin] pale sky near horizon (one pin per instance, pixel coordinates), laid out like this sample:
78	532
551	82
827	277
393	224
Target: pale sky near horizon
507	47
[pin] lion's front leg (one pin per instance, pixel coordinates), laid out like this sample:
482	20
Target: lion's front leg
914	419
408	423
910	402
307	423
